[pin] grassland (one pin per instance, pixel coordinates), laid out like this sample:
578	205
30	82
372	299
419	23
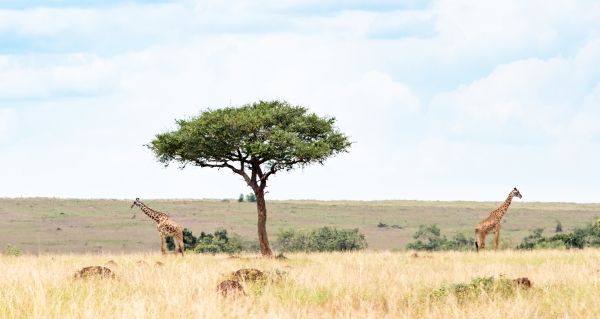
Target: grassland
97	226
330	285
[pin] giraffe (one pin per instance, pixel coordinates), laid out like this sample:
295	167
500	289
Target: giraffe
492	223
166	227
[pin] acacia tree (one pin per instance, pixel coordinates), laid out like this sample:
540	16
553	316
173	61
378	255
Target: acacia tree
254	141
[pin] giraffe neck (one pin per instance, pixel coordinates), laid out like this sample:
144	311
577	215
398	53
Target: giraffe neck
503	208
151	213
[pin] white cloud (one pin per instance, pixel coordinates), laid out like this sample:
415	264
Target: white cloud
475	27
8	124
528	103
530	96
75	74
587	121
378	93
586	124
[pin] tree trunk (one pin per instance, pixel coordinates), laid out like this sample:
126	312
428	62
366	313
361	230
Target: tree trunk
265	248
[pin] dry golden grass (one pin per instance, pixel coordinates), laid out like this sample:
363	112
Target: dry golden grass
328	285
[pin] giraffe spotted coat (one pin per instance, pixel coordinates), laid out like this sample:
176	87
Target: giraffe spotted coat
492	223
165	227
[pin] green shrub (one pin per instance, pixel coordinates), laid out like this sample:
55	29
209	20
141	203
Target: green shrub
588	236
251	198
436	242
241	198
321	239
219	242
530	241
550	244
12	251
558	227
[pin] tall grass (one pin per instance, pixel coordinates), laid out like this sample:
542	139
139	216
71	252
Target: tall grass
324	285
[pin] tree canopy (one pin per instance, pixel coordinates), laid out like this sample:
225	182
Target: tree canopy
255	141
271	134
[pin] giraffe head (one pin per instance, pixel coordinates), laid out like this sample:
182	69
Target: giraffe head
137	203
515	193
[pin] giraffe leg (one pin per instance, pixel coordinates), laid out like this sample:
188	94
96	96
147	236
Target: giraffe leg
496	240
162	243
176	242
482	241
181	244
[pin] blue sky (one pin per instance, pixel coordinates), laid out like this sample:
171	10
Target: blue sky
453	100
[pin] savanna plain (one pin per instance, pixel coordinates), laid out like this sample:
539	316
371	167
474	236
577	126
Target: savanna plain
61	236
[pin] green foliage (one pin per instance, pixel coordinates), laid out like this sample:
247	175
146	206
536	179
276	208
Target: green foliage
467	291
170	243
12	251
427	231
251	198
189	240
280	256
241	198
436	242
321	239
588	236
530	241
550	244
219	242
558	227
232	244
272	134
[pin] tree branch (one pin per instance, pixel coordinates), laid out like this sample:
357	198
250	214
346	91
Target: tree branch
222	165
240	171
274	169
256	168
242	160
204	164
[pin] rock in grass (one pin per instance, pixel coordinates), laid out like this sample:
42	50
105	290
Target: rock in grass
231	288
414	255
248	274
94	271
141	263
522	282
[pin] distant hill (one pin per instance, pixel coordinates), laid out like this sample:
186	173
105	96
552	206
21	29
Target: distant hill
38	225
